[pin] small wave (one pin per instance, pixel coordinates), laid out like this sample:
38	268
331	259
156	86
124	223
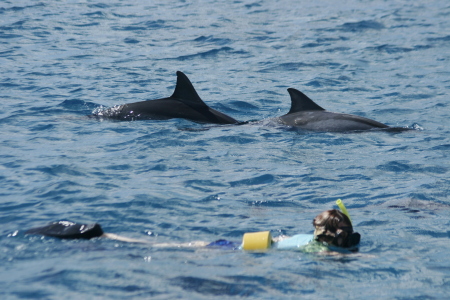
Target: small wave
99	5
212	40
77	105
214	287
392	49
149	25
445	147
87	24
9	36
320	82
299	66
131	41
401	167
439	39
57	170
361	26
236	139
258	180
95	14
20	8
210	53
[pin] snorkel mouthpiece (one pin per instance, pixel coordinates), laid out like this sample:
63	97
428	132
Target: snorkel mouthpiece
343	209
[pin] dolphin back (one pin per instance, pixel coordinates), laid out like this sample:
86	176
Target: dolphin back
306	114
184	103
186	93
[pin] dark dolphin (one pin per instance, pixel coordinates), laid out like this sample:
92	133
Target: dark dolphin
306	114
184	103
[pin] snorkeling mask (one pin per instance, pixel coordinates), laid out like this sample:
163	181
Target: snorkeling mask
337	234
345	239
341	237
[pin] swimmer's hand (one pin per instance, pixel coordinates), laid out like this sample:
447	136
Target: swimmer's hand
279	238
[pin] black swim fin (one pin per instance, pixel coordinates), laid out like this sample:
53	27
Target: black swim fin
68	230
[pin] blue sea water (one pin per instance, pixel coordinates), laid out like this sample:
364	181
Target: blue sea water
177	181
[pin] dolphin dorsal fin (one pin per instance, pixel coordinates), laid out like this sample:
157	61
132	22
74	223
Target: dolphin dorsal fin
301	102
185	91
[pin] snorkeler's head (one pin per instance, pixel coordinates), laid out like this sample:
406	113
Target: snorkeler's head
335	228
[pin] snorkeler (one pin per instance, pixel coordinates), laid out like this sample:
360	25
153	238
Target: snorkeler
333	228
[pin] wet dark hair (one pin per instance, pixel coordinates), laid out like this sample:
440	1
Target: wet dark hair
335	228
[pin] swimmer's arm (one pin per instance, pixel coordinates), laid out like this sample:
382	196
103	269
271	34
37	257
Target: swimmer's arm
194	244
116	237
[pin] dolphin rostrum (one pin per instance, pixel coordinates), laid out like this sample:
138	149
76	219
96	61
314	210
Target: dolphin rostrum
306	114
184	103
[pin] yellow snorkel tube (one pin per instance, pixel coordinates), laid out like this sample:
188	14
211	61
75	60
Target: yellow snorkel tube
343	208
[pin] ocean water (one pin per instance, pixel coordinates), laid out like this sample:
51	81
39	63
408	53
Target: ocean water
175	181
